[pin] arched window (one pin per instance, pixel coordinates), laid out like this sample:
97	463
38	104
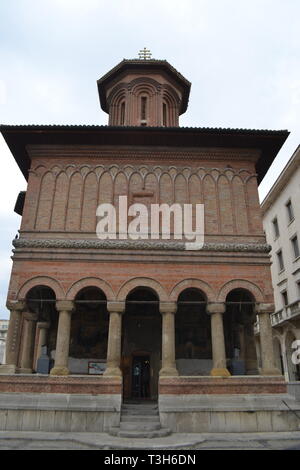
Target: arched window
144	110
164	114
122	114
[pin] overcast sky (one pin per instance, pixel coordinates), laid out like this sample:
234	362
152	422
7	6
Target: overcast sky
242	57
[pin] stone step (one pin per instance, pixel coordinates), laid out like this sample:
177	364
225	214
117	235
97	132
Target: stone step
141	410
141	405
162	432
139	418
135	426
136	413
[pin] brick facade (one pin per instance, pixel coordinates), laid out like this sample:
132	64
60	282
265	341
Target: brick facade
72	170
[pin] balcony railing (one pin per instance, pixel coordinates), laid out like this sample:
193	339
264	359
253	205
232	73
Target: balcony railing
286	313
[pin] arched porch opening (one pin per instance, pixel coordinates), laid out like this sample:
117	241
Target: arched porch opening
141	345
89	332
193	346
239	320
39	330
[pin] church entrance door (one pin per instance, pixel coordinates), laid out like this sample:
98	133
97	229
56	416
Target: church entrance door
140	377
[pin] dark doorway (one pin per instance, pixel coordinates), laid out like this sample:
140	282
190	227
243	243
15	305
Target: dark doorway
140	377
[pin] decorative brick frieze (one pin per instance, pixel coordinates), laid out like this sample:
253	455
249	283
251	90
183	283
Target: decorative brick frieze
225	385
137	245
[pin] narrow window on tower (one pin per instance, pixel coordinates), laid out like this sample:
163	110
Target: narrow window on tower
122	117
143	110
164	114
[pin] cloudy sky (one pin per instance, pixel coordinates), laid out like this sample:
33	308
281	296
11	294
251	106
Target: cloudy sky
242	58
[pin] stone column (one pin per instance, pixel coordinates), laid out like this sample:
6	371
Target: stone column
65	309
216	311
168	366
42	337
266	340
113	363
13	337
26	363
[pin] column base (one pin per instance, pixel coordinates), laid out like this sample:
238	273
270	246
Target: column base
113	371
8	369
25	370
220	372
59	371
169	371
270	372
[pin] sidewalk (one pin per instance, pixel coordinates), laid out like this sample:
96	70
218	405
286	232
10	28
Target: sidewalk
27	440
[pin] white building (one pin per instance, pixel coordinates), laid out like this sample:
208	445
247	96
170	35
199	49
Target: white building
281	219
3	334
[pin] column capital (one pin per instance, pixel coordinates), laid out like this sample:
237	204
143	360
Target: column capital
30	316
43	325
167	307
215	307
116	307
16	304
65	305
264	308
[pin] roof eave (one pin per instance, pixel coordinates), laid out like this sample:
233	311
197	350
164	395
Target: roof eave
268	142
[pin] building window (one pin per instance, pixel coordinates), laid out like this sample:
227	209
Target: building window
164	114
285	299
295	246
275	227
290	211
122	117
143	110
280	260
298	285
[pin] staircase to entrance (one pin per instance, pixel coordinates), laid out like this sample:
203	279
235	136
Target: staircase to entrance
139	419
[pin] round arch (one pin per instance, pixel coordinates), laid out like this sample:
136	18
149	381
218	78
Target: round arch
130	285
252	288
196	284
46	281
91	282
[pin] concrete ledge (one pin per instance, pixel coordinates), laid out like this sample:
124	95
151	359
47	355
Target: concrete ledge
222	385
35	383
59	412
60	401
294	389
224	413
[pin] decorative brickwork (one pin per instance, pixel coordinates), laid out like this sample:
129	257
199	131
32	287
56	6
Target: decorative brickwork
61	384
218	385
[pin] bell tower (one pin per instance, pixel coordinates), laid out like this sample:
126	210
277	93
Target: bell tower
144	92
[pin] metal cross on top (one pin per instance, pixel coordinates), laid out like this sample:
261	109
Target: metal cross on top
145	54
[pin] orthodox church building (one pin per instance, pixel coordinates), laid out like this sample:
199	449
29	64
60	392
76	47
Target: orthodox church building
142	318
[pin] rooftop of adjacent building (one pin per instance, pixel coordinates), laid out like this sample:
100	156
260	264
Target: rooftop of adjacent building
282	180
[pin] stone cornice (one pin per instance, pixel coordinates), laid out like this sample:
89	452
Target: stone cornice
137	245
